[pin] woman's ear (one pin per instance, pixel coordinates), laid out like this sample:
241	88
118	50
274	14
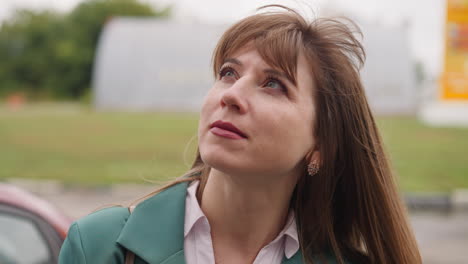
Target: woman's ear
314	156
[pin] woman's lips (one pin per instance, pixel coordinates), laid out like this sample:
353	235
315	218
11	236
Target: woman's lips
227	130
225	133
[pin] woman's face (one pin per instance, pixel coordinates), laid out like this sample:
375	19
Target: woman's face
256	122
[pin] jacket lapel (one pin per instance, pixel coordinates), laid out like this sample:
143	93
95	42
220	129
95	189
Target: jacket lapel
295	259
155	229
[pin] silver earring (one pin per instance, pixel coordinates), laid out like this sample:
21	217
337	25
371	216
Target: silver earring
312	168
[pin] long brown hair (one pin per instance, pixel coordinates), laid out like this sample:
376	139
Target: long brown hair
351	208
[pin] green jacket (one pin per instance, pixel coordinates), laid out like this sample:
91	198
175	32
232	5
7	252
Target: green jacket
154	232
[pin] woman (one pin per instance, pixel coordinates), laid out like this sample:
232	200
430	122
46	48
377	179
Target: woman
290	167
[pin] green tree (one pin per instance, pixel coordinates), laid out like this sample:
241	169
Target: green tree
47	54
27	49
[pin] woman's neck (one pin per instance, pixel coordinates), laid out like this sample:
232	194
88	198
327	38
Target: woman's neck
244	217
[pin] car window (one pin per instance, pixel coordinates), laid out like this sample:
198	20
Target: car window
21	241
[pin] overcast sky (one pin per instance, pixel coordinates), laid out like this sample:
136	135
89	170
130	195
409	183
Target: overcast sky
426	18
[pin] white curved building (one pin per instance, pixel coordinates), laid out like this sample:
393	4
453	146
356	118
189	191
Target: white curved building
151	64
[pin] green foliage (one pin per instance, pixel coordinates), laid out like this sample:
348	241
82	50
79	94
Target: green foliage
50	55
26	46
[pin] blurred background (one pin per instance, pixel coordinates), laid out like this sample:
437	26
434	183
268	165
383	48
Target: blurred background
99	104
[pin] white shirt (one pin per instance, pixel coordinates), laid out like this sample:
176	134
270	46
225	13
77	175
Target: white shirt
198	247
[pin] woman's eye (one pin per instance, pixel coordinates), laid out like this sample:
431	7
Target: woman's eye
227	72
275	84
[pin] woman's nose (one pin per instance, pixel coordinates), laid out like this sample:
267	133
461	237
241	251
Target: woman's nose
235	96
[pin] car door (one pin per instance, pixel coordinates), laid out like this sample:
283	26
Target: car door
26	238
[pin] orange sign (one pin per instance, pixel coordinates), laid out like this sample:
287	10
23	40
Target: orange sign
454	80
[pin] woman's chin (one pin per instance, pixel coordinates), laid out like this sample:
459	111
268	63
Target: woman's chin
220	163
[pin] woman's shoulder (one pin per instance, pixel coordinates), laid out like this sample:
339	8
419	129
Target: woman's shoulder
104	220
94	236
99	236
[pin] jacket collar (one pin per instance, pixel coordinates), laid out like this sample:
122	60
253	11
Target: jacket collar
155	229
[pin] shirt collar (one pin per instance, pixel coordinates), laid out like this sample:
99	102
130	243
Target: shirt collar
193	214
291	245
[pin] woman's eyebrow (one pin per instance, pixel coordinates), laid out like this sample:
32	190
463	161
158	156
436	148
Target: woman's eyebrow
234	61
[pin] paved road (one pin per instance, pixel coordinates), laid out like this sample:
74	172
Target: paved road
442	237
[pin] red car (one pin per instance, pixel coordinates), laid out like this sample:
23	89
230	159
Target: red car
31	229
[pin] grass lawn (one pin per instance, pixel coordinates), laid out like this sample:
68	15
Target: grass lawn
426	158
72	144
